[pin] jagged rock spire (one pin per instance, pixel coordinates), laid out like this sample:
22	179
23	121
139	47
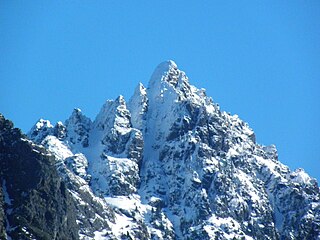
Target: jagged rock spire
171	165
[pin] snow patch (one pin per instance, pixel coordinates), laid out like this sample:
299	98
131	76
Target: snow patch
301	177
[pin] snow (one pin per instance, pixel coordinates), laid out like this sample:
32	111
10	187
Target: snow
112	166
173	172
125	202
121	164
122	225
210	108
161	71
40	130
131	203
57	147
95	163
101	235
176	223
279	218
232	227
114	114
79	164
138	106
8	201
232	153
246	181
300	176
78	198
272	167
35	150
43	123
7	198
121	202
76	130
196	177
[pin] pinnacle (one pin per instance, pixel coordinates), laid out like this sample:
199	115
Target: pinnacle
121	100
76	111
164	73
166	65
43	122
140	89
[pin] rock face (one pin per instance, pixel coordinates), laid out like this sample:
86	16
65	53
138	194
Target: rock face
167	164
35	203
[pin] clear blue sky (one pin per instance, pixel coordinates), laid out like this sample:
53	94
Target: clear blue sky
258	60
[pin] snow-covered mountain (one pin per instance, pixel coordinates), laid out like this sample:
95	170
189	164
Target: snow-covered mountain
167	164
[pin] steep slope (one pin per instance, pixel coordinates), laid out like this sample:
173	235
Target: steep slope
169	164
44	188
35	201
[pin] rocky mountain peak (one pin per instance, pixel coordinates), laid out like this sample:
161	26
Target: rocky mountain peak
77	117
77	128
162	72
165	81
120	101
138	106
169	164
113	114
40	130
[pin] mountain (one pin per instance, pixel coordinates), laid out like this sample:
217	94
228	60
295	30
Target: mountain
167	164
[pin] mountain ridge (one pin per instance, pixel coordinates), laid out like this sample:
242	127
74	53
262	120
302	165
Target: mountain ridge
169	164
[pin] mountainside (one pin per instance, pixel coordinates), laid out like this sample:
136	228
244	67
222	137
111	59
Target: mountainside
35	202
167	164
